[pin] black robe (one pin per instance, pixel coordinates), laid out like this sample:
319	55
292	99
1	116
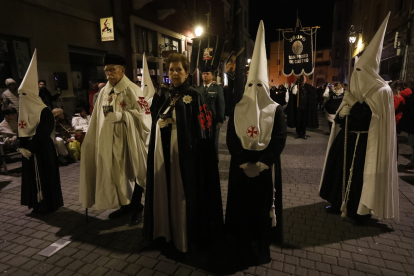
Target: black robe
249	200
41	145
199	171
331	189
307	102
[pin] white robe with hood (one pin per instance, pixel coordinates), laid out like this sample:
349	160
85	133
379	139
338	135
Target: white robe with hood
380	195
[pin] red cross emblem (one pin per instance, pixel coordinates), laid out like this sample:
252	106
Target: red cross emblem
252	132
205	117
144	104
22	124
122	104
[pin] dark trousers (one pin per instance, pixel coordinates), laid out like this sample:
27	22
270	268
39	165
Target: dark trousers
301	121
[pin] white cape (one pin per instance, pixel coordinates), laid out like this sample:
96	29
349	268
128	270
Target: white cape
380	195
114	155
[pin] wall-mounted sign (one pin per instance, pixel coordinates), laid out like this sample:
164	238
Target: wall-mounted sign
107	29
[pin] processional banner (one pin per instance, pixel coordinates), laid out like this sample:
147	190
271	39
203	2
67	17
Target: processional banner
298	53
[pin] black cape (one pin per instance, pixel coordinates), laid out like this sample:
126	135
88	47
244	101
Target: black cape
331	189
199	170
41	145
307	100
249	200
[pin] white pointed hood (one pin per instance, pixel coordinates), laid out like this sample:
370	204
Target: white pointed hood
30	104
254	114
365	76
146	83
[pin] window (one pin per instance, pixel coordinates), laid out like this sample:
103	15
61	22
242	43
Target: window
278	62
146	41
319	55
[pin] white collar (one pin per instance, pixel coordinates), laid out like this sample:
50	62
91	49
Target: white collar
208	85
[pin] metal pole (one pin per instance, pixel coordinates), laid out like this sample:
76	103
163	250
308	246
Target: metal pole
349	64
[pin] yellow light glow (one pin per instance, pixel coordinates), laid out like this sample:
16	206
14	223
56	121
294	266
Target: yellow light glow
198	31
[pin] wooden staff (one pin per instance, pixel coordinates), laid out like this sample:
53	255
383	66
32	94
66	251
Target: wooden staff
344	167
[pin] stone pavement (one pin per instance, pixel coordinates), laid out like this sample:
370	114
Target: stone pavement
316	243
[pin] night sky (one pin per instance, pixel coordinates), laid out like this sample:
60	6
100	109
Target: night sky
281	14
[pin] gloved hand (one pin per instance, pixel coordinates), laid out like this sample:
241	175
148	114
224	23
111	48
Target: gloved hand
25	152
345	111
262	166
219	125
350	99
162	123
113	117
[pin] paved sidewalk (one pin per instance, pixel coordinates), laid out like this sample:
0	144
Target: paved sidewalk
317	243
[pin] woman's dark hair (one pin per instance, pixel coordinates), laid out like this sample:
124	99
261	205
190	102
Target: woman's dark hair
80	109
9	111
41	81
176	57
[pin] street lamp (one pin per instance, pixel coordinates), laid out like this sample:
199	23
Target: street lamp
198	31
352	39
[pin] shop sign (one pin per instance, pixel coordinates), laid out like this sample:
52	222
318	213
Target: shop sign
107	29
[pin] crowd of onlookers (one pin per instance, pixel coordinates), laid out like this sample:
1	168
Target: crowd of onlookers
68	135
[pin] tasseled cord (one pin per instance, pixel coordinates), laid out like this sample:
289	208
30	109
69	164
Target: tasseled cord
38	184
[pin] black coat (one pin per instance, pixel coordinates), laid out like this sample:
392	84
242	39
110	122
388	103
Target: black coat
42	147
198	168
47	97
307	101
331	189
249	200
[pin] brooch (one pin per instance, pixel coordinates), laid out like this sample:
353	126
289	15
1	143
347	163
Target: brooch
187	99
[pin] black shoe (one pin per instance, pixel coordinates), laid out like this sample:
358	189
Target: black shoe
119	213
332	210
298	136
305	136
136	218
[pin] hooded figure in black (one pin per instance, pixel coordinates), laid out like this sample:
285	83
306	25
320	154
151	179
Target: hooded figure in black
183	196
306	107
40	172
256	136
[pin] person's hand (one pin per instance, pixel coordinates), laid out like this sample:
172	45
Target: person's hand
350	99
113	117
250	169
219	125
345	111
69	140
162	123
25	152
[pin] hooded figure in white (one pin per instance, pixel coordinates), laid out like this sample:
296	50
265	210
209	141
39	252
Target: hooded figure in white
115	148
146	83
256	137
379	177
40	178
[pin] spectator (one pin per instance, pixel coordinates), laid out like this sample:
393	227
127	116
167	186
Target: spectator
8	128
95	97
11	96
80	121
45	94
64	132
333	98
399	103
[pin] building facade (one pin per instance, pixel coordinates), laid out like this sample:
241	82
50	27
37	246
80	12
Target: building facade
67	36
396	60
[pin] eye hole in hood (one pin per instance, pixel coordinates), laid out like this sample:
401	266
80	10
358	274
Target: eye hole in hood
250	84
259	84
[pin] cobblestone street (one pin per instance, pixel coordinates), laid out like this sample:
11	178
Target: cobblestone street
316	243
